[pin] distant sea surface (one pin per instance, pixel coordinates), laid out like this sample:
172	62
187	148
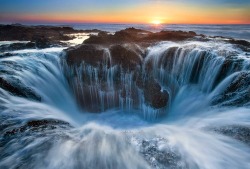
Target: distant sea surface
233	31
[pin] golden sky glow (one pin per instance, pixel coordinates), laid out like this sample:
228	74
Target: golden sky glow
169	12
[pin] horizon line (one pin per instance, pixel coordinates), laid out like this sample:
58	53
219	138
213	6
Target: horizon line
114	23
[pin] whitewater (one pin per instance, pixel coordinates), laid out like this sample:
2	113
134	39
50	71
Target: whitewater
205	125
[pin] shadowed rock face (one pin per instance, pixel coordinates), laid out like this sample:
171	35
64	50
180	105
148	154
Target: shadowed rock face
17	46
39	43
127	58
138	36
154	96
29	33
236	93
39	36
238	132
125	49
37	126
33	33
111	72
90	54
16	90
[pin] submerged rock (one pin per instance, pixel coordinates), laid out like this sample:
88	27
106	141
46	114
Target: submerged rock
17	46
111	76
38	126
154	95
242	43
161	158
238	132
18	91
236	93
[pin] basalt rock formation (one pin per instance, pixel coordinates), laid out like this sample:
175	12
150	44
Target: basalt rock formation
138	36
14	89
33	33
111	77
38	36
109	70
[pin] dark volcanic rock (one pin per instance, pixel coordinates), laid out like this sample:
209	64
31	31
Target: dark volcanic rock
121	55
41	36
125	48
170	35
154	96
237	93
26	33
95	55
18	91
42	42
240	42
90	54
38	125
241	133
168	157
120	37
229	66
138	36
17	46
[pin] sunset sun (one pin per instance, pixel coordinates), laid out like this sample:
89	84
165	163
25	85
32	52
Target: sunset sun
125	84
156	22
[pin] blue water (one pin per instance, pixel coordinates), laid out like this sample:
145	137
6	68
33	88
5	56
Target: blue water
233	31
230	31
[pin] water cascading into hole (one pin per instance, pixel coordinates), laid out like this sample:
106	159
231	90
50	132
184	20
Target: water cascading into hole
151	86
201	79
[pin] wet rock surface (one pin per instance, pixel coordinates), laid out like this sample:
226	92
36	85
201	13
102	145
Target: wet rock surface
38	36
38	126
17	46
18	91
111	73
33	33
125	57
159	154
90	54
154	95
139	36
243	44
18	137
125	49
238	132
237	93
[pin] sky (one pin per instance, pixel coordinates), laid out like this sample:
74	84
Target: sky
126	11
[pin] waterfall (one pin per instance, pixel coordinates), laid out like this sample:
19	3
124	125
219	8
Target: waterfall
47	105
175	67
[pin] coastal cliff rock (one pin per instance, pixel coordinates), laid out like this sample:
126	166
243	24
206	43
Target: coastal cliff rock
154	96
138	36
17	90
37	36
237	93
90	54
108	73
127	58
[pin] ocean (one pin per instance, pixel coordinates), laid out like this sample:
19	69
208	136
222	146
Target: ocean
184	105
231	31
235	31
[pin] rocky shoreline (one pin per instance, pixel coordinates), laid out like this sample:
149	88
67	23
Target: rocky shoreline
36	36
124	51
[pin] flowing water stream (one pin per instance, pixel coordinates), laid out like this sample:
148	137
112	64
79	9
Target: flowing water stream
205	125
